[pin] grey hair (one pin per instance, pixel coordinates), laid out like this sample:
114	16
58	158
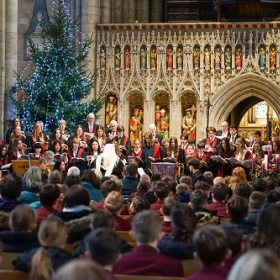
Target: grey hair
33	177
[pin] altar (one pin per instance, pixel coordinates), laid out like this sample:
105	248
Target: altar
165	168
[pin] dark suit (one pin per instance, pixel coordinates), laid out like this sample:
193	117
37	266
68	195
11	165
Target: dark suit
158	137
219	133
86	127
146	260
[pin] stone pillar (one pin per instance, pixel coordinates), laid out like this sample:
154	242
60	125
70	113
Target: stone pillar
105	11
11	45
130	7
157	10
142	11
117	11
90	18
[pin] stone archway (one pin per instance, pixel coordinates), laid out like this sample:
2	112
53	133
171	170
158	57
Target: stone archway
231	94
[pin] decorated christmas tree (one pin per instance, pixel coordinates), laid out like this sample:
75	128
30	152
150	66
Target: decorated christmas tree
60	83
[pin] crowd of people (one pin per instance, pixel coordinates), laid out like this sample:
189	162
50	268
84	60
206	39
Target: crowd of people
213	213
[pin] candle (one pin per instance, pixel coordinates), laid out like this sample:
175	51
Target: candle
254	159
263	168
277	163
266	161
269	151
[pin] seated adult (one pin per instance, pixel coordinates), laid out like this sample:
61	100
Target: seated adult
76	210
91	183
130	181
22	235
41	262
114	203
10	190
145	258
178	244
32	183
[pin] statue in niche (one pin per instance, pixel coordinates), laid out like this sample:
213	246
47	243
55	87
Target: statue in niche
272	58
180	58
153	58
189	122
157	119
118	58
143	58
207	58
127	59
136	124
196	58
111	109
238	58
228	58
164	123
102	59
217	58
169	58
262	58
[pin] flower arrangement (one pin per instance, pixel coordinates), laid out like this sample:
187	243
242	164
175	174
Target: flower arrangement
259	172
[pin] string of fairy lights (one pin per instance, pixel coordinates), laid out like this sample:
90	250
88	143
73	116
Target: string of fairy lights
59	81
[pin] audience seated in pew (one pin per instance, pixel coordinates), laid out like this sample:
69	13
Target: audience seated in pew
145	259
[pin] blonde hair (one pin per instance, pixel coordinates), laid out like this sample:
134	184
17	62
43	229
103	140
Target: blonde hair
114	201
240	172
52	232
23	218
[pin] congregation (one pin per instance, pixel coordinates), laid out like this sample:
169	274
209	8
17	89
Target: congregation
88	191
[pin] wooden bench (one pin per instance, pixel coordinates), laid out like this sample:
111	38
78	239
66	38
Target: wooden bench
126	236
190	267
144	277
13	275
7	259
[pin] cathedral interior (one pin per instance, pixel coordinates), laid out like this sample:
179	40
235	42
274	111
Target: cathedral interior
164	61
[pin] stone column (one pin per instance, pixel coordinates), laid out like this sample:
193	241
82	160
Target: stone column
157	10
117	11
142	11
11	45
105	11
90	18
131	11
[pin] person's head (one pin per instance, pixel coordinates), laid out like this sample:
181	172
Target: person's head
201	185
32	179
114	202
271	184
146	227
259	185
257	136
90	118
55	177
167	205
103	246
211	131
186	180
194	164
75	143
233	129
90	176
275	136
183	222
225	144
16	122
43	164
165	143
256	264
198	199
152	128
56	146
102	219
11	186
224	126
80	269
132	170
240	172
156	176
108	186
23	218
240	144
237	207
161	190
49	156
76	196
113	125
218	179
79	131
257	200
182	189
138	204
210	245
94	146
100	131
73	170
3	151
120	130
173	143
72	180
148	139
235	238
220	192
243	189
59	166
62	125
49	194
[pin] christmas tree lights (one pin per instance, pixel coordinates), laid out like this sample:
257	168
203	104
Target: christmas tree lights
60	82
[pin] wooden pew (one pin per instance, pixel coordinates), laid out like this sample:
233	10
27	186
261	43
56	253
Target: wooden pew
190	267
144	277
13	275
7	259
